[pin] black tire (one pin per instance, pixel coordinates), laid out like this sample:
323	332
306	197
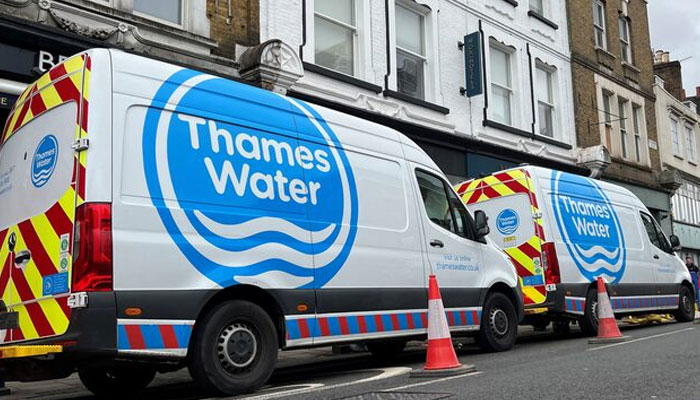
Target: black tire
119	381
589	321
234	349
386	349
499	324
686	306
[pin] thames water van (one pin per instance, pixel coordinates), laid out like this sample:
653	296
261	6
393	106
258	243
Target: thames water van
563	231
156	217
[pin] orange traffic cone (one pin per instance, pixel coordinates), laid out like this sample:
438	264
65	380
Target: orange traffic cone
608	332
441	359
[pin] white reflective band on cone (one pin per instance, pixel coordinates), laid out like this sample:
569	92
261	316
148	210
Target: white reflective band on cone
437	321
604	307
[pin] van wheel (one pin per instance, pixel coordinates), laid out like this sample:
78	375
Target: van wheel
499	325
117	381
234	349
589	321
386	349
686	307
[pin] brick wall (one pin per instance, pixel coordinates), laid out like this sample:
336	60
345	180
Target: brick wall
638	77
240	26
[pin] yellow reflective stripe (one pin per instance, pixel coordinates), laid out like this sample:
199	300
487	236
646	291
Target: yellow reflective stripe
73	64
50	97
77	80
25	323
57	319
532	293
28	351
48	237
67	203
520	257
535	243
86	83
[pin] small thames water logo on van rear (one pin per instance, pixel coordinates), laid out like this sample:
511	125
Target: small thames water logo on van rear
507	221
240	192
589	226
44	160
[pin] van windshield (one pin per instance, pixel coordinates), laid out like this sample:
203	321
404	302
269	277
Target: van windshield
36	165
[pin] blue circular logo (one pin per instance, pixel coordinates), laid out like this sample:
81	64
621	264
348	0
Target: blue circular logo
589	226
250	184
507	221
44	160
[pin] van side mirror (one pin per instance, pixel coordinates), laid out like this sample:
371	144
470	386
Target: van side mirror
481	224
675	242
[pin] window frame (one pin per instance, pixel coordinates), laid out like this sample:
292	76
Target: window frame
355	34
551	102
511	78
423	18
600	28
622	117
186	18
664	244
625	44
690	143
542	7
636	109
675	136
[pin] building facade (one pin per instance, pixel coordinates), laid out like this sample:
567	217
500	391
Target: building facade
480	85
38	34
614	97
678	126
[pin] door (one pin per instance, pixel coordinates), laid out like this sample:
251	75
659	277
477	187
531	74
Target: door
508	199
660	255
454	257
39	178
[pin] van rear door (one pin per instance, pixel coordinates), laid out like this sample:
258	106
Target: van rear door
508	199
40	182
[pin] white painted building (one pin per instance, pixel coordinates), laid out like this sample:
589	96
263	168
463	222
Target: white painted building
678	127
398	62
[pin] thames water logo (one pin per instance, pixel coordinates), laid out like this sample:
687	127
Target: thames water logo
507	221
589	226
44	160
241	193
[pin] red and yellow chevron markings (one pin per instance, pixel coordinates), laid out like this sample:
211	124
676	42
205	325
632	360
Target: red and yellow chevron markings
22	288
525	256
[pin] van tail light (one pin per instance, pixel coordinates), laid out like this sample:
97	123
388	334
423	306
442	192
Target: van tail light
92	248
551	264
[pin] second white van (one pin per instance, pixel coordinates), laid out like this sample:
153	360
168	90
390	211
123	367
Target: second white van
563	231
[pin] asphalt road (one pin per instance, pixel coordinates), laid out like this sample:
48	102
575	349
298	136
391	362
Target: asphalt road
658	362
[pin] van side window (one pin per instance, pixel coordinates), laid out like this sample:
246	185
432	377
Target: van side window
654	232
442	205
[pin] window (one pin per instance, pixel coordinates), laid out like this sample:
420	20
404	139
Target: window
166	10
335	30
607	99
599	24
537	6
624	28
690	143
622	105
501	85
545	100
636	112
410	52
686	203
655	234
675	139
443	206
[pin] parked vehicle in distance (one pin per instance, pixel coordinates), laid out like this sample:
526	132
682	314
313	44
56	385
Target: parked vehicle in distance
562	231
156	217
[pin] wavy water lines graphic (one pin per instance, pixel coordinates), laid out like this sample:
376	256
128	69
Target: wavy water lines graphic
261	247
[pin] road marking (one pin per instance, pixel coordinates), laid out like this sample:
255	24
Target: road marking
431	381
317	387
640	339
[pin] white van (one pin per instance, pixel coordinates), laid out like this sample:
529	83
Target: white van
156	217
563	231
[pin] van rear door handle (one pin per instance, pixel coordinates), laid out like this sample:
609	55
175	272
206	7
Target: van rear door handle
22	258
437	243
656	256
